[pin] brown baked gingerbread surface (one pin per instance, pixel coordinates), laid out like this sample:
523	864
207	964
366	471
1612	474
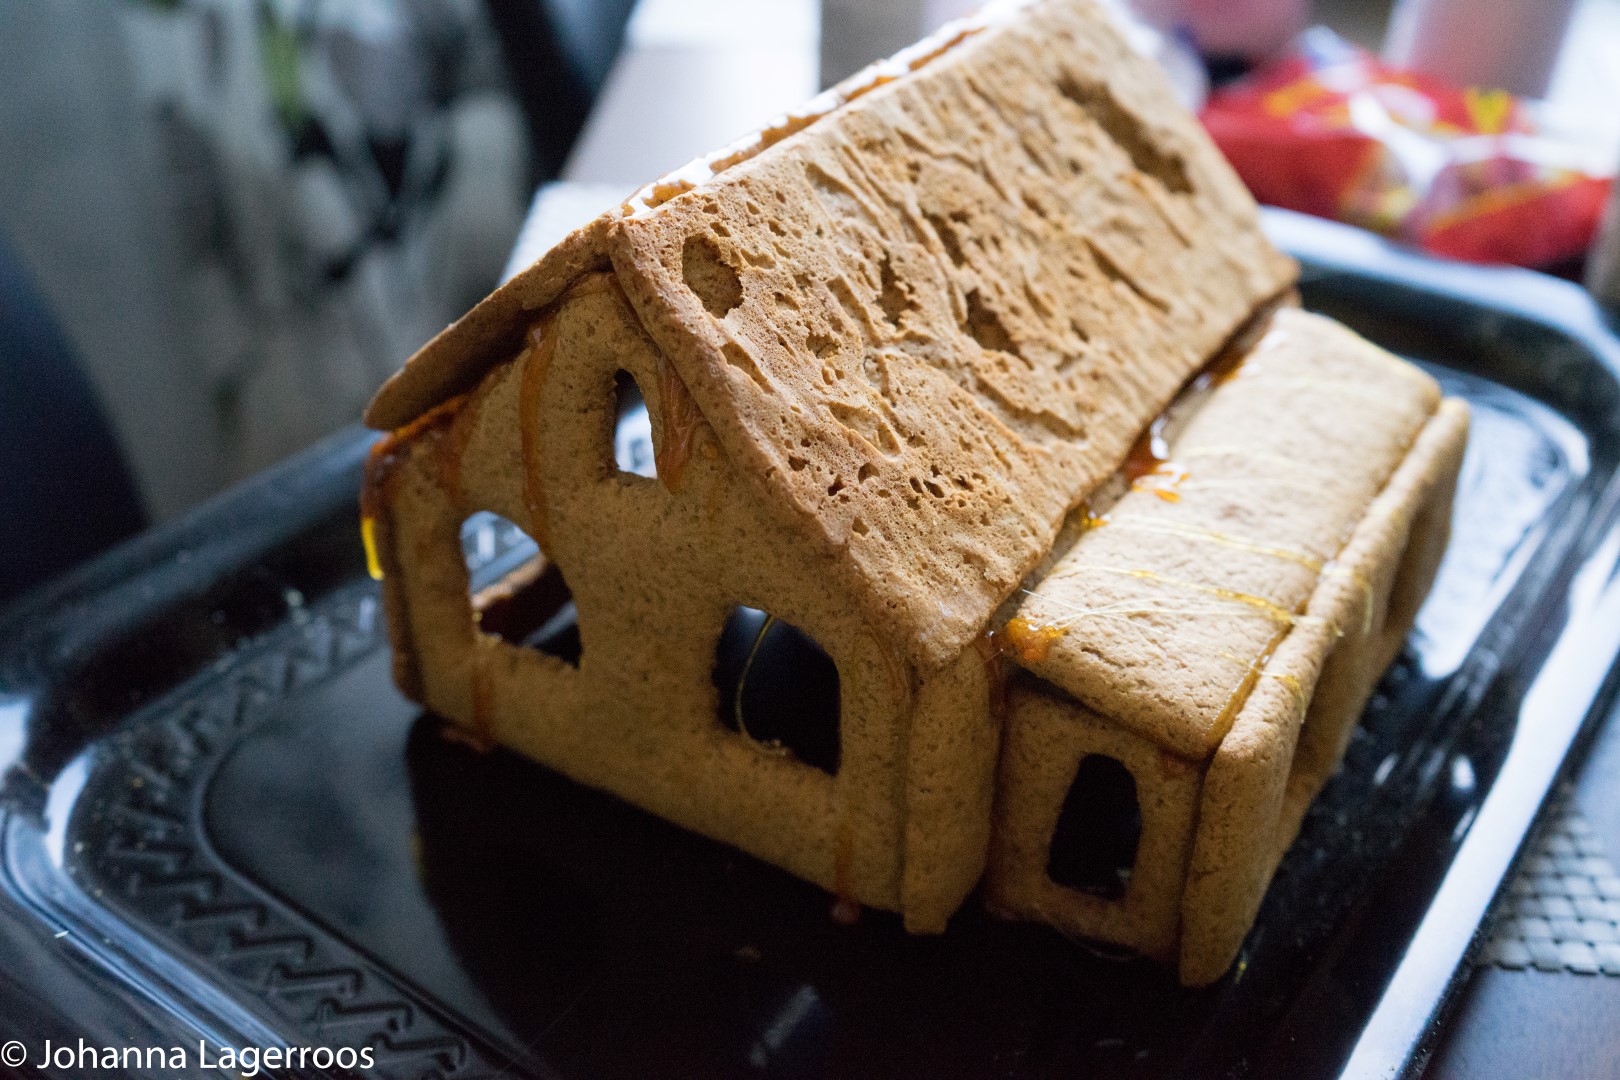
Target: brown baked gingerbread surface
890	348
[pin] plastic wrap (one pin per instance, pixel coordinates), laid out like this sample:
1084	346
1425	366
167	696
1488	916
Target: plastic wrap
1464	173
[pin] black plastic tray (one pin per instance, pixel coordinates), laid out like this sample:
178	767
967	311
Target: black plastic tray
219	820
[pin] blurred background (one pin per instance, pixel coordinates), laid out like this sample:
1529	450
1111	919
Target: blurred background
224	222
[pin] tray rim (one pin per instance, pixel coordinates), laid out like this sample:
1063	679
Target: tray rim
1571	690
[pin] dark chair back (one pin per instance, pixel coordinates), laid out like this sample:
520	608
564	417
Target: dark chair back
65	491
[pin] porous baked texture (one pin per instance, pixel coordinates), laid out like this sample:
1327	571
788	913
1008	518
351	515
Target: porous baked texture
889	348
935	318
1233	629
1171	599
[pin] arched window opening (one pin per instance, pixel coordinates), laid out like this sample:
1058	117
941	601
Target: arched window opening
778	688
517	595
1094	845
632	428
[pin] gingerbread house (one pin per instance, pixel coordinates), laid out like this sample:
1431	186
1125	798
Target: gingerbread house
890	349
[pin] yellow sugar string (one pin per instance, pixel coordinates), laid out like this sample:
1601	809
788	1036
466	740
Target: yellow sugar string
1260	603
1360	580
742	681
1253	483
1251	675
1073	613
1266	457
1293	685
1142	524
1059	616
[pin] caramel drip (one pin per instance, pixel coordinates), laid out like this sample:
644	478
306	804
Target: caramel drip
1294	688
1148	466
1240	693
1166	484
1360	580
846	909
536	360
438	416
368	537
1225	367
1252	674
1020	640
1027	642
1222	368
387	453
1148	454
679	422
1226	363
